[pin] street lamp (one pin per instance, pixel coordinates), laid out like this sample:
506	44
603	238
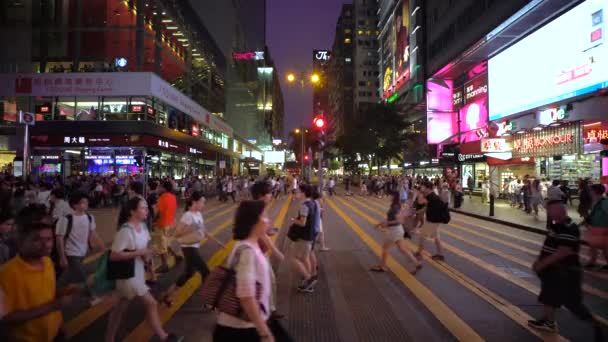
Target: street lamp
298	131
314	78
291	77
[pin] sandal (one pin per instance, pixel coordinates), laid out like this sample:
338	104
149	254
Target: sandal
378	269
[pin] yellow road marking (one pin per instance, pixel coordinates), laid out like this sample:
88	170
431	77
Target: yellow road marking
589	289
453	323
77	324
513	312
143	333
532	288
537	243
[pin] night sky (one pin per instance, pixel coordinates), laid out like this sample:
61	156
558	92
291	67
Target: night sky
294	29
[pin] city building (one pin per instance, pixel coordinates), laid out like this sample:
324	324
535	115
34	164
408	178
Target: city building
543	119
111	101
340	80
252	87
366	47
320	92
401	58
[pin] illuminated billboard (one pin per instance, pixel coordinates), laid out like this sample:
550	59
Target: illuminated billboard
474	113
442	120
564	59
395	45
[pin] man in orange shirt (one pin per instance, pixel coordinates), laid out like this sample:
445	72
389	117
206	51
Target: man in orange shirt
30	308
166	208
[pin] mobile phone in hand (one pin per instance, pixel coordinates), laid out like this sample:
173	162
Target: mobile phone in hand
272	231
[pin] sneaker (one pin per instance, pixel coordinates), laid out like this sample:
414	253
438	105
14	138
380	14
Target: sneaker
95	301
544	325
308	289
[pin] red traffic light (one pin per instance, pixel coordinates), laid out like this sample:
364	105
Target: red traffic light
319	122
306	157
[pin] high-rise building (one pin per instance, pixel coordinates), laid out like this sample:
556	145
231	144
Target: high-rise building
251	90
147	97
365	40
340	80
320	92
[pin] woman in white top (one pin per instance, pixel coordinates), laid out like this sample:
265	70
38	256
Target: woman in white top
251	267
131	242
190	232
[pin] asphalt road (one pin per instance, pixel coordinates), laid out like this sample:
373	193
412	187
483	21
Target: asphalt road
484	290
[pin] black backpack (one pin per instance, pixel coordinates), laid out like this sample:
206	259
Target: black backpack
437	211
68	230
297	232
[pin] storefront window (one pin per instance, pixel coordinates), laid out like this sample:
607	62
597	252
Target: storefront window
87	108
114	108
65	108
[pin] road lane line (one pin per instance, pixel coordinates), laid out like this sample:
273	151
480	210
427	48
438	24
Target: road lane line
143	333
521	248
587	288
513	312
538	243
530	287
81	321
450	320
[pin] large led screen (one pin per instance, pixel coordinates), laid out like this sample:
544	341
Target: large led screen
566	58
441	119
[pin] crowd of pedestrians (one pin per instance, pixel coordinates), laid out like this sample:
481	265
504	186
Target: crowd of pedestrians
45	237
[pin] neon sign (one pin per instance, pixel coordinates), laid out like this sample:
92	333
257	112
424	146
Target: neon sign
248	56
527	144
322	55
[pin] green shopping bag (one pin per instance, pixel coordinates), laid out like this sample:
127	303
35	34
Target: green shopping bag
102	283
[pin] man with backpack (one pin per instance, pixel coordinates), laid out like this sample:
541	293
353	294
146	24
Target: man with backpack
73	234
437	212
301	234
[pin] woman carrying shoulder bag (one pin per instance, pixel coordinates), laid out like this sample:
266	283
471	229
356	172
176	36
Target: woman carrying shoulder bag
130	249
253	284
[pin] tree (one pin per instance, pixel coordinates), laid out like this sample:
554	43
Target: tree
377	137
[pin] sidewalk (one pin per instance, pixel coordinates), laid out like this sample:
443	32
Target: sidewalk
504	214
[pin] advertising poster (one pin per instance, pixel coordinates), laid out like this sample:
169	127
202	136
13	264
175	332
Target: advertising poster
564	59
396	51
474	113
442	120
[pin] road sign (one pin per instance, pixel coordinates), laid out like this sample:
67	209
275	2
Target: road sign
27	118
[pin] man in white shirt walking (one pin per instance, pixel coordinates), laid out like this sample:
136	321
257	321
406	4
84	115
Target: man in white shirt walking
73	234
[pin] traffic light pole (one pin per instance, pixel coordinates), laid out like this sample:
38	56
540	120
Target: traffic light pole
302	155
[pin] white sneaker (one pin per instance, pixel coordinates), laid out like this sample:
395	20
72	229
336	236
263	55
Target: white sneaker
95	301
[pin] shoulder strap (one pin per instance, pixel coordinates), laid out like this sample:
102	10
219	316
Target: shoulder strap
68	228
237	255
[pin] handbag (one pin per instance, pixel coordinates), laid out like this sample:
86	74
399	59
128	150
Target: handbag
295	232
191	238
219	289
101	281
123	269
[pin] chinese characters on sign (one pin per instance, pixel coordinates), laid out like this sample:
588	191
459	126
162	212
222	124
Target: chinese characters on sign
494	145
562	140
594	136
528	144
74	140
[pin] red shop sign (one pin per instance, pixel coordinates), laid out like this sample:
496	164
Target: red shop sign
595	132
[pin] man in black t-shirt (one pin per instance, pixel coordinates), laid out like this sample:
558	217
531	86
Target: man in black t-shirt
559	270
